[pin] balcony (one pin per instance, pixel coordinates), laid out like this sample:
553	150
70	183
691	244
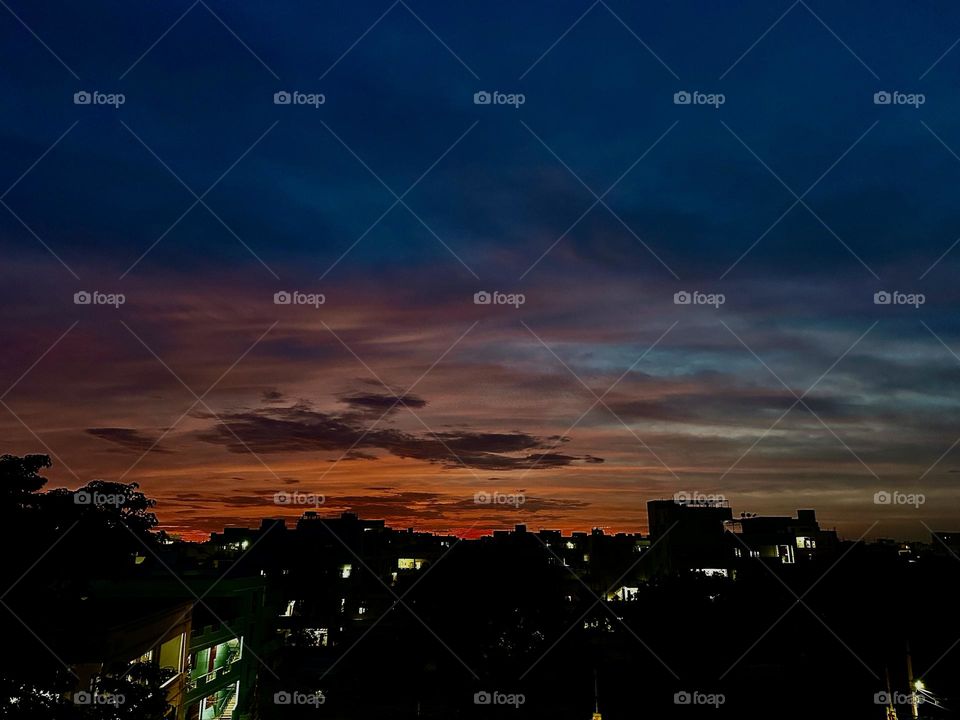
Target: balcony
226	672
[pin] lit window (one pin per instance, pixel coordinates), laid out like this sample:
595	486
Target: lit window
624	594
714	572
316	637
171	653
345	570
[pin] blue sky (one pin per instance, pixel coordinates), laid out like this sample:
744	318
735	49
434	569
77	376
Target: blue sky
599	198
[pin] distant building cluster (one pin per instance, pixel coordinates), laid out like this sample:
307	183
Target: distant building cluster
297	593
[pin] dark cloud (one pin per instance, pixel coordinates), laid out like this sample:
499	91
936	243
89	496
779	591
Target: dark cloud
129	439
301	429
357	455
382	402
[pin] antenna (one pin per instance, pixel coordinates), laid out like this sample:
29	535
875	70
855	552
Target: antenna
891	710
914	710
596	695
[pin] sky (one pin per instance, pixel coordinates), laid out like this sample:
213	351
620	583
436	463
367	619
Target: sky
588	198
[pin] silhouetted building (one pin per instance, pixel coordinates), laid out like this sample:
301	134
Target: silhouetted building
945	543
689	536
213	646
104	634
785	539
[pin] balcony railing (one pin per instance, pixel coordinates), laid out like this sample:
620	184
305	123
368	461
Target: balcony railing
218	673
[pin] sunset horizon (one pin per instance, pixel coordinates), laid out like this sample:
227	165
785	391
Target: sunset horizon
585	358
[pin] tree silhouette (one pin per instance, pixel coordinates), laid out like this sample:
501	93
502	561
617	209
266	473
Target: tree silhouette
132	691
55	545
70	536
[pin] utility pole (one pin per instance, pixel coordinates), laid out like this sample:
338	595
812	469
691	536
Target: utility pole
891	710
596	698
914	700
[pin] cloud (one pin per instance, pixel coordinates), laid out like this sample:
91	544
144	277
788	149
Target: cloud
128	438
382	402
300	428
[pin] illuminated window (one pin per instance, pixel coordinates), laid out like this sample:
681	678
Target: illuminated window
714	572
806	543
171	653
316	637
346	570
624	594
409	563
212	706
288	611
